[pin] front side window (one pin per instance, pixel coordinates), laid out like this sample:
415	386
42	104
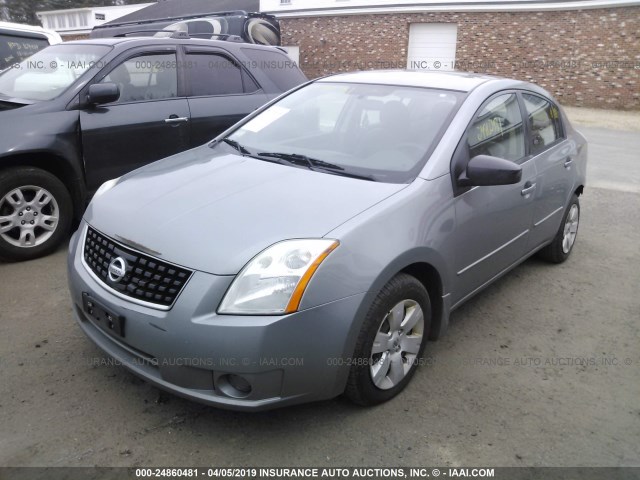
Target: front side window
49	72
498	130
544	122
380	131
146	77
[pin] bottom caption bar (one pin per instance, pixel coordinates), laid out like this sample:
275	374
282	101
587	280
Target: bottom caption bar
337	473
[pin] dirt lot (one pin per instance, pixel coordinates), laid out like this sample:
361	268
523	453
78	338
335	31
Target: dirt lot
542	368
610	119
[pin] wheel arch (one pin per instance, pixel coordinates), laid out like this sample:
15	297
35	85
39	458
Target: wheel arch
430	278
429	267
68	173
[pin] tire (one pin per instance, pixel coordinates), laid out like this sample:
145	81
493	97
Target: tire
562	244
36	212
382	369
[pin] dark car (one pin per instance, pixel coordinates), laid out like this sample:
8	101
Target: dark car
77	114
252	27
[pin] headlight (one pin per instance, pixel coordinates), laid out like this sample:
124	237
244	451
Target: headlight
106	186
274	281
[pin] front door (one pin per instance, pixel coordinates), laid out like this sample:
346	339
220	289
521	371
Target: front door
150	120
493	222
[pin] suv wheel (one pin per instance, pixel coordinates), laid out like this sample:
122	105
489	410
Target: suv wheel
35	213
391	342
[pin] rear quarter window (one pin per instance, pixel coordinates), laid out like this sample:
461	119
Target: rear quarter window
277	66
15	48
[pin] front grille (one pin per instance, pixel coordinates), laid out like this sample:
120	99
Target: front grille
146	278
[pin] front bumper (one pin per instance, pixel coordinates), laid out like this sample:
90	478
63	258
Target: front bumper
189	350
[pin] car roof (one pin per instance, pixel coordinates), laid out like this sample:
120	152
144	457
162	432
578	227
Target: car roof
459	81
51	35
144	41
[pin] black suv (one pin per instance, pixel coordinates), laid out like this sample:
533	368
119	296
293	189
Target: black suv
77	114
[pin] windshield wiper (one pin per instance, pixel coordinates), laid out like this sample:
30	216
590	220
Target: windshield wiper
235	145
314	164
298	159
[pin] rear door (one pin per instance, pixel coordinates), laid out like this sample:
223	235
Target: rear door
220	92
150	121
553	156
492	222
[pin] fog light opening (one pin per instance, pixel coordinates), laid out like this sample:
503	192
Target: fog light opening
234	386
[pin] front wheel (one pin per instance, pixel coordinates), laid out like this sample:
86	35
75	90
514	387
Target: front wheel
561	246
391	342
35	213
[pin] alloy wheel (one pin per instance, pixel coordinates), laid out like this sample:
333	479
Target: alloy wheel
396	344
570	229
29	216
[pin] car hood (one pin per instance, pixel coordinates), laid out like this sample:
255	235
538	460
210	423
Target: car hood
6	105
213	211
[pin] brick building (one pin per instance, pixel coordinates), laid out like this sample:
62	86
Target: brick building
587	53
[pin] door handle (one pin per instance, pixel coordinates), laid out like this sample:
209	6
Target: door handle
528	188
567	162
176	119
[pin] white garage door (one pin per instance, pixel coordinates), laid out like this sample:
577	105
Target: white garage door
432	46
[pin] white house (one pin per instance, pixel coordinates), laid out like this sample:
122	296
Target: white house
80	21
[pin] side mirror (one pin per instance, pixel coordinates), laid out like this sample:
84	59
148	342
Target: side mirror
485	170
100	93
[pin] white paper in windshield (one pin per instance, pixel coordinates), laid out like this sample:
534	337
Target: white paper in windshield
265	119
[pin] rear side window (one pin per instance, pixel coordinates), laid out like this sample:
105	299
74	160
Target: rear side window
545	126
212	74
278	67
498	130
14	49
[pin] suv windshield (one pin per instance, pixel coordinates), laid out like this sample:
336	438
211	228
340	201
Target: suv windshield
378	132
49	72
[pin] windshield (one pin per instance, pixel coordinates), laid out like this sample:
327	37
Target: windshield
49	72
15	48
380	132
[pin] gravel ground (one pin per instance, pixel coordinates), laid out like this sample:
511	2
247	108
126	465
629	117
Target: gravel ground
540	369
609	119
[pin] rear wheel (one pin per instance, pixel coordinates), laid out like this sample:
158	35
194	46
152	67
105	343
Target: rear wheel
562	245
391	342
35	213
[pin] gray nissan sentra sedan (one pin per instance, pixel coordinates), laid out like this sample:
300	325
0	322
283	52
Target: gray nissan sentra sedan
314	248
